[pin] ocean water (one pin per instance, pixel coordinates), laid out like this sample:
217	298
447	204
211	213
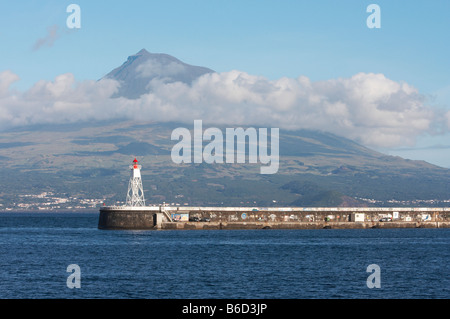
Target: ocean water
37	248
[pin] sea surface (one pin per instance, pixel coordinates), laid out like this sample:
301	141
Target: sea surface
36	249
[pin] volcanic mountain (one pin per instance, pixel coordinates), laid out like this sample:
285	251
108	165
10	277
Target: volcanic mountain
90	159
142	70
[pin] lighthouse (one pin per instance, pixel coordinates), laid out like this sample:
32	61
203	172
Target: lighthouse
134	214
135	194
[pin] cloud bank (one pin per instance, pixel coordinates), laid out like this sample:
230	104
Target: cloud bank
366	107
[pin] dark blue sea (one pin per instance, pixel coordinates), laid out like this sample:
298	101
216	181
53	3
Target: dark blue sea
37	248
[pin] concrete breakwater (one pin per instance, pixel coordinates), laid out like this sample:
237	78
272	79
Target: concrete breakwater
166	217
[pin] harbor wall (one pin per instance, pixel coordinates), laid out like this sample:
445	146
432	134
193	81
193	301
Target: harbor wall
164	217
300	225
133	220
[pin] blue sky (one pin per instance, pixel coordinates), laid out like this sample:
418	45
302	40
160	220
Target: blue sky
319	39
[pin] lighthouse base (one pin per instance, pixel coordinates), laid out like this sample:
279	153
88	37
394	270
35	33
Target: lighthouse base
131	218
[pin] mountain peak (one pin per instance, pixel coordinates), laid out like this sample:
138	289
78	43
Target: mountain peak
143	52
139	72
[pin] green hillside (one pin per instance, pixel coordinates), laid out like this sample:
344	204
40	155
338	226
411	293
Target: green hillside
90	160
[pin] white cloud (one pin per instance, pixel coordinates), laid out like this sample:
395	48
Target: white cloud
447	116
6	79
62	100
368	108
152	68
52	35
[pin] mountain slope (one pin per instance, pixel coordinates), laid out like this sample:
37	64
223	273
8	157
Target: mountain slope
91	161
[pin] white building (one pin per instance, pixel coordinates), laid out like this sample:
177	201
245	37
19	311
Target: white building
357	217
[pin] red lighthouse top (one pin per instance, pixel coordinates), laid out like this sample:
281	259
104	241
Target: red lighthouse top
135	160
135	163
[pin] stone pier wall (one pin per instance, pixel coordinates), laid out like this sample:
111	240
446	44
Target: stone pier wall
126	220
313	216
270	218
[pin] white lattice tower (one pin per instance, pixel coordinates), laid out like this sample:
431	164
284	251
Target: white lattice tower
135	195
